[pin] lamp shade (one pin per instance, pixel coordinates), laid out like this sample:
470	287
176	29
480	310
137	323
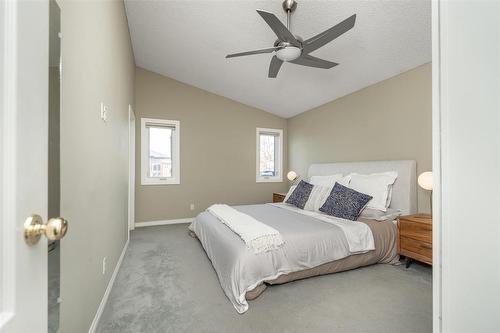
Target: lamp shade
292	175
425	180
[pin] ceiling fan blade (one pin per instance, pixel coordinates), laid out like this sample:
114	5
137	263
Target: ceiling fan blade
269	50
310	61
327	36
279	29
274	67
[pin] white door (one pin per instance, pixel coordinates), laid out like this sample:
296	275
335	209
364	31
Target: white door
24	54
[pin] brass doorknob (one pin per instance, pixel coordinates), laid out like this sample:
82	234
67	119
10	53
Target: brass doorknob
54	229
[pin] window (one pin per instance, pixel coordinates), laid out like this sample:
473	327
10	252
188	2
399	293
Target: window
269	155
160	162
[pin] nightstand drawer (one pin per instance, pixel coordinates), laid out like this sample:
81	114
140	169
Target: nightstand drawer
422	249
278	197
417	231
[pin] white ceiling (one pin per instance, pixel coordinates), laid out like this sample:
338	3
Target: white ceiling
188	40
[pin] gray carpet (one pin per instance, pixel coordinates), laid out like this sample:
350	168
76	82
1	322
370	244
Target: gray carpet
167	284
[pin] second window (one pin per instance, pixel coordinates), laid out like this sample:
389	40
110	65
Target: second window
269	155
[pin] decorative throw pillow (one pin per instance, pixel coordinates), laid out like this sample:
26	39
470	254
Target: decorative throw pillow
300	195
345	202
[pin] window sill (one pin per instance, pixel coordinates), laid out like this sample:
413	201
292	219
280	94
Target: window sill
269	180
160	182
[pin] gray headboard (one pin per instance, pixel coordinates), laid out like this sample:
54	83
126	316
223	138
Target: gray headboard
404	191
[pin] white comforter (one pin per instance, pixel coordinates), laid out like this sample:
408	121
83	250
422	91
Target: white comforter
309	241
358	235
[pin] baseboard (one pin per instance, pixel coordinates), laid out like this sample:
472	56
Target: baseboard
163	222
104	299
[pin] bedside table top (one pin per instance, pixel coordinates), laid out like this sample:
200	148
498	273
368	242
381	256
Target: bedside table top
280	193
419	218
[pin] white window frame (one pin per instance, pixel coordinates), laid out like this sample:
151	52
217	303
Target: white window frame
279	162
176	163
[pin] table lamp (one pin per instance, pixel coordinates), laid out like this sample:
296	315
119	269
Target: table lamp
292	176
425	182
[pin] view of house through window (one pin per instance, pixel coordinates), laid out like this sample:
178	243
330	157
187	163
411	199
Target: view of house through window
160	155
267	165
269	154
160	152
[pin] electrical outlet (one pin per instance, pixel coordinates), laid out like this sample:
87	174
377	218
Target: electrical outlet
191	206
104	266
104	112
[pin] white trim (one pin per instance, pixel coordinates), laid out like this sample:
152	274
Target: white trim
131	169
104	299
8	169
271	179
176	164
163	222
436	169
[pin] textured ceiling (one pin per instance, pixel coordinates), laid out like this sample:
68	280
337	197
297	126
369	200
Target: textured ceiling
188	40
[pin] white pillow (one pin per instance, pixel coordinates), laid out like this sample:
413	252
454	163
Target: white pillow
317	198
329	180
289	193
378	185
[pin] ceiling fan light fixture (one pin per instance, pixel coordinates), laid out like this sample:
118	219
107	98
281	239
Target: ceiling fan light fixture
288	53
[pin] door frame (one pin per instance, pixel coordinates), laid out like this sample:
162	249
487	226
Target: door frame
436	167
446	17
131	169
8	91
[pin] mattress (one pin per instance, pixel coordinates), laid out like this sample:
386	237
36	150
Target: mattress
313	246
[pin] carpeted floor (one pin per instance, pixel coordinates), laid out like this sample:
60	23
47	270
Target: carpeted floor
167	284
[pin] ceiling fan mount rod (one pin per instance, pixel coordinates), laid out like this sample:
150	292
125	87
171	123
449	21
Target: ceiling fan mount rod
289	6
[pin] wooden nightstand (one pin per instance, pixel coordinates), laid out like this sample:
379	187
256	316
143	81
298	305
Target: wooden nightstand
415	238
278	197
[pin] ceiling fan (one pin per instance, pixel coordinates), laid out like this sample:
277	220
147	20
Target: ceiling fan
292	48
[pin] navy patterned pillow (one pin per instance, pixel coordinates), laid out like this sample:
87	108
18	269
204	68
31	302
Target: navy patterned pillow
344	202
300	195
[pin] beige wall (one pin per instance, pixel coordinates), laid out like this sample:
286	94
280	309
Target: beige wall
54	182
217	148
98	65
385	121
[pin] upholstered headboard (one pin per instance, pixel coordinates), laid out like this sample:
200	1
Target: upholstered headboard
404	191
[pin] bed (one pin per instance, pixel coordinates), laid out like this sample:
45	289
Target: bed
314	244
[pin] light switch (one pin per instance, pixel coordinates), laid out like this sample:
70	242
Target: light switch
104	112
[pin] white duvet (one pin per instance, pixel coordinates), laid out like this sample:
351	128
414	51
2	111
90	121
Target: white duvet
310	239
